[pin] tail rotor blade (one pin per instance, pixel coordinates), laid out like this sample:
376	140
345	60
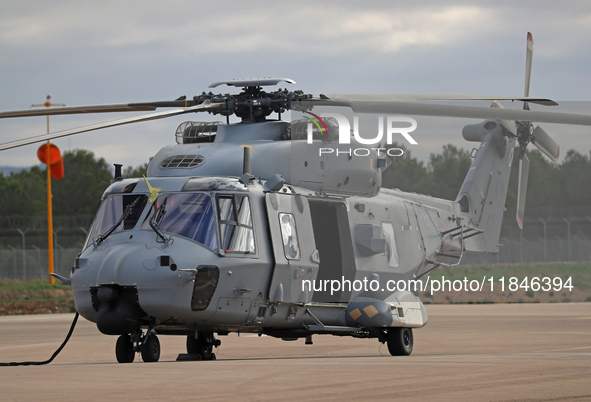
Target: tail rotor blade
545	143
522	189
528	58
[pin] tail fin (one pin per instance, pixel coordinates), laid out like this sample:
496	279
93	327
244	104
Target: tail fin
483	193
482	196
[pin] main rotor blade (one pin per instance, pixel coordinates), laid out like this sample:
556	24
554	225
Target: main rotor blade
254	82
522	189
52	111
153	116
428	109
545	143
437	97
114	108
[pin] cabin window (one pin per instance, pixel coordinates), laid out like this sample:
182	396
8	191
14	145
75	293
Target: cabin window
236	230
289	236
391	252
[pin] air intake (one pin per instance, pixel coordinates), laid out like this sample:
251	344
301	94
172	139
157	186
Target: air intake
182	161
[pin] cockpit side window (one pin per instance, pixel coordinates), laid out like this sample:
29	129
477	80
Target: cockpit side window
137	207
236	230
116	213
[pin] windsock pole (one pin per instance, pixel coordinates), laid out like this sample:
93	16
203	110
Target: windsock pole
49	214
48	160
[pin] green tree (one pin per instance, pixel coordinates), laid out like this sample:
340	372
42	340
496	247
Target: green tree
23	193
405	173
442	178
575	180
138	171
447	172
85	180
543	185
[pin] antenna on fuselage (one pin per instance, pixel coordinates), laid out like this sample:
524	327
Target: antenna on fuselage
246	168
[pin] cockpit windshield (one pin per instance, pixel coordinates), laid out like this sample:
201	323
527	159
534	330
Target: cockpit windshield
189	215
201	217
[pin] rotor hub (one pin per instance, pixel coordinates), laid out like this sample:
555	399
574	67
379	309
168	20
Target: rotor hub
253	104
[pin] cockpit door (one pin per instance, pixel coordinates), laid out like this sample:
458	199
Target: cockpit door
294	248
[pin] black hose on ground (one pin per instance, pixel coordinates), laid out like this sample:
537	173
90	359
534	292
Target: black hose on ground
52	356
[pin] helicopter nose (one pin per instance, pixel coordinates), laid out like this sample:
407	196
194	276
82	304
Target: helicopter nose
127	274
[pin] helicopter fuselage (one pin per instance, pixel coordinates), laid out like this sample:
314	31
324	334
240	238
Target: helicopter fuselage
220	252
228	256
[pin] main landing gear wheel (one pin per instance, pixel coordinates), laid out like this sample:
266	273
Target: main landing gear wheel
400	341
203	345
124	349
150	348
127	345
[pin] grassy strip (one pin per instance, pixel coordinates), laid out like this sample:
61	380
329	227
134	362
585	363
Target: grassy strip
14	291
580	274
580	279
35	297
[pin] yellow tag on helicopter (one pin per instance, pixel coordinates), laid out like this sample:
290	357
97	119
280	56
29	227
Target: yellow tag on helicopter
153	191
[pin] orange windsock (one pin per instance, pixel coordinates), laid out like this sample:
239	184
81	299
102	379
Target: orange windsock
55	160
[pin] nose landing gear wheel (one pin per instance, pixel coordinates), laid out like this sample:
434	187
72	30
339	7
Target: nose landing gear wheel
400	341
151	349
124	349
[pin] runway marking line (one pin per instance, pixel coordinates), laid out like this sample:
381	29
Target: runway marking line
559	332
33	345
563	349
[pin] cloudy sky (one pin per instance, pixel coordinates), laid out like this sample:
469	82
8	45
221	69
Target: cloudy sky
90	52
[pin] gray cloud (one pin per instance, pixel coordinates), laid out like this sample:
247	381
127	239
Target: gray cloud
85	52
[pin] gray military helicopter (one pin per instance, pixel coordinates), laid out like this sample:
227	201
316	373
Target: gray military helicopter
252	227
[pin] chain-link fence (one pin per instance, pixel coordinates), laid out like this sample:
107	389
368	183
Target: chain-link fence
32	263
538	251
550	236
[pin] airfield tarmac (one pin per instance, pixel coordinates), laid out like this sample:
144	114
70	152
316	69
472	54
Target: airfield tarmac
475	352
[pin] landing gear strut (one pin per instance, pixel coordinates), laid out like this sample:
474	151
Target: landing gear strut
148	345
201	348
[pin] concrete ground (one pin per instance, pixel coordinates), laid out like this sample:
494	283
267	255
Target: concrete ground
470	352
